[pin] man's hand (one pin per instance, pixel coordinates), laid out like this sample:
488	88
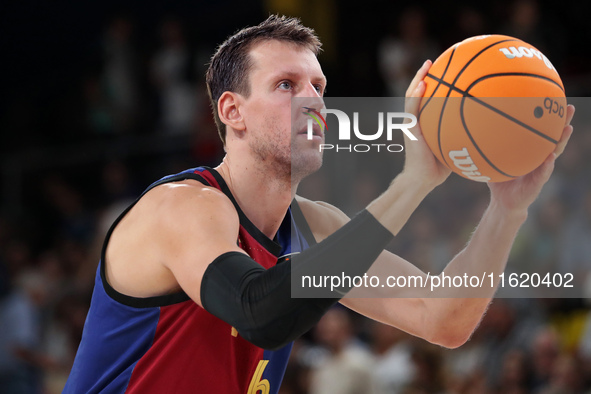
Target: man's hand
519	193
420	163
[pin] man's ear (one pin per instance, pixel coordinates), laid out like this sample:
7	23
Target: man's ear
229	110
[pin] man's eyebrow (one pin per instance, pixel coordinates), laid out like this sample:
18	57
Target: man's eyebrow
293	75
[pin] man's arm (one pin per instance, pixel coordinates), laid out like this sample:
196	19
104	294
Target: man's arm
450	319
446	321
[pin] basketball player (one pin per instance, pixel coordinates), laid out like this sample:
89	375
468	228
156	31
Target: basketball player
190	296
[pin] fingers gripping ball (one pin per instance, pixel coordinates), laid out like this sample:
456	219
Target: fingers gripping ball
494	108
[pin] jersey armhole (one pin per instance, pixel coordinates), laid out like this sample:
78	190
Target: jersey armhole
302	223
144	302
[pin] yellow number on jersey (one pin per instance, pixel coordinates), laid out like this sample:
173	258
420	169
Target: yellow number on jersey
256	384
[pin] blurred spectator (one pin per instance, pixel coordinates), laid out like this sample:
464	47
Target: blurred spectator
575	255
99	115
470	22
296	379
120	74
75	222
515	373
348	367
566	377
401	55
505	329
545	350
392	349
465	365
585	342
542	238
172	69
572	184
116	184
429	374
21	359
118	193
524	23
16	257
475	383
584	348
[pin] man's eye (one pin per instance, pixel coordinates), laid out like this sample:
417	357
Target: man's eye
285	85
318	88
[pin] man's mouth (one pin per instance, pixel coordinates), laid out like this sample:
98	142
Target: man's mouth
316	130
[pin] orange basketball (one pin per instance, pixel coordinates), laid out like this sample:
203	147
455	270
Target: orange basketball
494	108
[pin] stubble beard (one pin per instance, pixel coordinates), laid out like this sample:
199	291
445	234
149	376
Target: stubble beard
282	161
304	162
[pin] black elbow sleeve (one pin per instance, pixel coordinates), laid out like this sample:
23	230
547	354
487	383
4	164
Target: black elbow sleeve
259	303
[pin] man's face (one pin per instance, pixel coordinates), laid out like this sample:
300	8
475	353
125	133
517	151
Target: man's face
280	72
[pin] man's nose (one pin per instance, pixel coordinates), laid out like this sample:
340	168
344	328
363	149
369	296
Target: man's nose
312	99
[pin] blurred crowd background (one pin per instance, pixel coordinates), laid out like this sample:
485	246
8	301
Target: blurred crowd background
101	98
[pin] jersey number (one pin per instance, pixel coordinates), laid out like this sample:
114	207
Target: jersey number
256	384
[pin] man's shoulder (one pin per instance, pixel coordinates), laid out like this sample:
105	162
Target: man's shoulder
319	208
187	196
322	217
179	207
174	225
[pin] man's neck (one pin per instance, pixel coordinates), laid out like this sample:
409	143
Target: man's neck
263	196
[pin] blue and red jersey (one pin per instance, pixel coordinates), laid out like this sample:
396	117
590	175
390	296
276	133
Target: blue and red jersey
168	343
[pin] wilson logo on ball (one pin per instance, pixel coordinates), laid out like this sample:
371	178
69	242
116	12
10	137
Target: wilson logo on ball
464	163
512	53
